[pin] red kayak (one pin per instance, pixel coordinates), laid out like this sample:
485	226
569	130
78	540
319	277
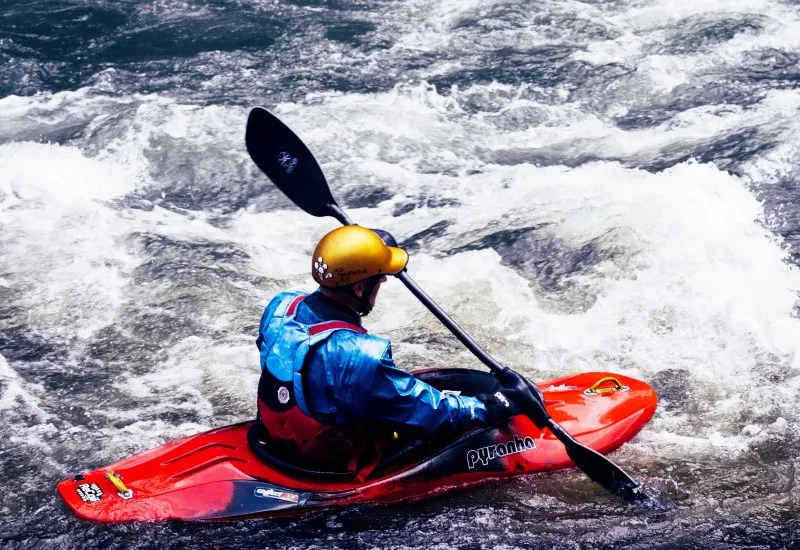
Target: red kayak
229	473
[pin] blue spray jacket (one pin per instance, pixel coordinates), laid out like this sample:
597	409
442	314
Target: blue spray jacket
350	376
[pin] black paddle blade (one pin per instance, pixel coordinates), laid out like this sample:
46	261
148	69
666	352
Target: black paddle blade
600	468
286	160
606	473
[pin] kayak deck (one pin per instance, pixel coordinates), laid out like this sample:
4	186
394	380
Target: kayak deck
216	474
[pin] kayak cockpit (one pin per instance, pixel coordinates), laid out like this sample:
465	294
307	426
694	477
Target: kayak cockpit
398	454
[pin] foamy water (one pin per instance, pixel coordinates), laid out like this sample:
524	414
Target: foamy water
583	187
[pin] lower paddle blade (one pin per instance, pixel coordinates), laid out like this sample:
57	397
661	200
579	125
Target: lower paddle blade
606	473
286	160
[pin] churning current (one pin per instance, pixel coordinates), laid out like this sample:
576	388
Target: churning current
582	185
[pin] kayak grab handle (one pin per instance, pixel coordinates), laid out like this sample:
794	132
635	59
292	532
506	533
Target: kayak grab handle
116	479
595	388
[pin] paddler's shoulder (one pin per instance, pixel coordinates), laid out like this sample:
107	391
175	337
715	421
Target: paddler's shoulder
284	298
287	295
364	344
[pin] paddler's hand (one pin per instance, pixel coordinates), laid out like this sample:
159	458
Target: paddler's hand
527	395
502	404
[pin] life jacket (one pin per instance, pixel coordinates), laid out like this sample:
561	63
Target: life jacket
285	344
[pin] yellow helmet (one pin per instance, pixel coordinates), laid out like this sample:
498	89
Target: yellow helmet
353	253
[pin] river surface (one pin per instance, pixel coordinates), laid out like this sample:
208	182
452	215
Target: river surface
597	185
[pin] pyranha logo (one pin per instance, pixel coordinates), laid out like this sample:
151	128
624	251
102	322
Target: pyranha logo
485	454
288	162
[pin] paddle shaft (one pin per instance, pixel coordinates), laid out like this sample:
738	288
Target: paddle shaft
339	214
447	321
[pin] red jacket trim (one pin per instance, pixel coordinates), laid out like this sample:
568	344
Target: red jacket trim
334	325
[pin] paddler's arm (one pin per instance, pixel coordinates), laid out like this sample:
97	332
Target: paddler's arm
397	396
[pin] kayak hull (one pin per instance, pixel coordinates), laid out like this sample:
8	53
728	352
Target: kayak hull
217	475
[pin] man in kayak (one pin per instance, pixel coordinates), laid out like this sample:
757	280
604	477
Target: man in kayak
330	396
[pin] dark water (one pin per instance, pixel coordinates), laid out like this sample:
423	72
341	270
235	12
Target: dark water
585	186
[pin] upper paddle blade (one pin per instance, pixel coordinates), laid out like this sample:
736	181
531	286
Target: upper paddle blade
286	161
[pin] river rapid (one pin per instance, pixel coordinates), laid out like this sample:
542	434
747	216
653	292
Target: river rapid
596	185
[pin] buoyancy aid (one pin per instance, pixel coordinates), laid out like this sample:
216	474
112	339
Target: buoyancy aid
285	412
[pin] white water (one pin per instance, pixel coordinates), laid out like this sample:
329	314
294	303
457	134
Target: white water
676	275
696	281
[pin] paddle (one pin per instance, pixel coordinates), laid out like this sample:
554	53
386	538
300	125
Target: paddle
286	160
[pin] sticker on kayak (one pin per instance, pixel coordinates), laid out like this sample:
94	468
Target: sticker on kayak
266	492
595	388
485	454
89	492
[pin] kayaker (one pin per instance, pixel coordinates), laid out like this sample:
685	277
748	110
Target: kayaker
330	396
